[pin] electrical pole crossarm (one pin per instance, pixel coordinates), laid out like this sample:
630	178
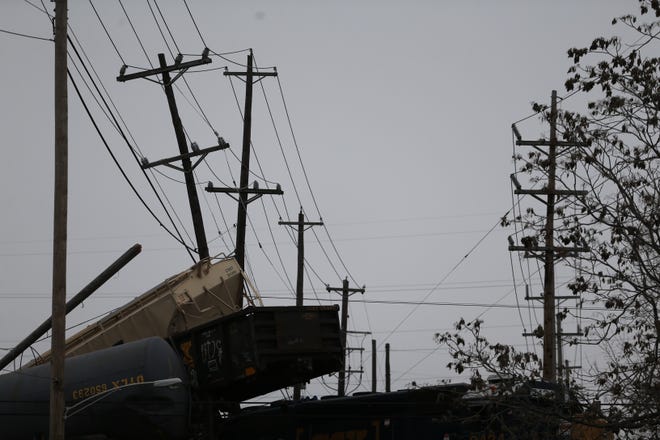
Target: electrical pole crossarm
212	189
557	192
345	293
184	154
166	69
168	161
245	192
340	290
549	248
252	74
546	143
299	224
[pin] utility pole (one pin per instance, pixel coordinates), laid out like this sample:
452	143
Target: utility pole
345	293
301	224
184	155
387	368
58	340
374	367
548	252
302	227
243	190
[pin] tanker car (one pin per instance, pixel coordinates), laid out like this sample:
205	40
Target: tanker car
116	389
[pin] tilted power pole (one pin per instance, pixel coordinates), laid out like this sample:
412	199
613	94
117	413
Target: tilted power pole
184	156
243	190
548	252
345	293
302	226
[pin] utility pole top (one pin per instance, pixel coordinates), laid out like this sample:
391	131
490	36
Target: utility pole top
345	293
187	167
302	226
548	251
243	191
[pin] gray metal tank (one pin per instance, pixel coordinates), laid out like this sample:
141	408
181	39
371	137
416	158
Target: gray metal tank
135	390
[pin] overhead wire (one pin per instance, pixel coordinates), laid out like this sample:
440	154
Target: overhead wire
277	136
178	235
114	158
318	211
198	108
277	250
444	278
139	40
19	34
160	30
105	29
185	2
513	275
286	276
167	27
37	7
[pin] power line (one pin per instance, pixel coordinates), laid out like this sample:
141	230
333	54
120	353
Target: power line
447	275
495	305
130	22
185	2
178	238
25	35
167	27
153	14
106	32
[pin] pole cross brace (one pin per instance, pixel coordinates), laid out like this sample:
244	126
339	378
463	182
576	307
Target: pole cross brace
258	192
168	161
178	65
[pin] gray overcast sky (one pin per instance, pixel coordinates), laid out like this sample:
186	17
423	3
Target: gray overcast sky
402	114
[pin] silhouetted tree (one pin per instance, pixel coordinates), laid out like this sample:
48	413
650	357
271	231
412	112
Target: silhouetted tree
619	220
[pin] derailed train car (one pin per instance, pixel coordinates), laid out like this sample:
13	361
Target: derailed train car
150	389
110	392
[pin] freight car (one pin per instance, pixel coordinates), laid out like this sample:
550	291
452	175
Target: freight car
447	412
109	392
114	393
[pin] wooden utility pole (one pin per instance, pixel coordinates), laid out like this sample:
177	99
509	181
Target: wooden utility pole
345	293
548	252
302	226
243	201
184	155
549	325
56	428
374	367
387	368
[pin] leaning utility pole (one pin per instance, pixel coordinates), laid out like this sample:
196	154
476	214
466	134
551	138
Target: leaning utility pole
243	201
345	293
184	155
58	340
301	223
548	252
